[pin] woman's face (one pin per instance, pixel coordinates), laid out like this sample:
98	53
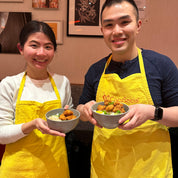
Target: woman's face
38	51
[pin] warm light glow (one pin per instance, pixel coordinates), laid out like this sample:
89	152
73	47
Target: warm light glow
73	22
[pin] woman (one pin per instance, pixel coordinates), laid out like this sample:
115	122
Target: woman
32	148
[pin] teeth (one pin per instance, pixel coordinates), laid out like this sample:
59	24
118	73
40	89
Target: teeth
119	40
38	60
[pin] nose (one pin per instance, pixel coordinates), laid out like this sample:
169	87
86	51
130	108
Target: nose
41	51
117	29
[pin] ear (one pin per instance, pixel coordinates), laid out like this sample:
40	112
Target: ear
20	48
139	24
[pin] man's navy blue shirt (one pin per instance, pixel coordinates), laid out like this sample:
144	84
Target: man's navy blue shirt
161	73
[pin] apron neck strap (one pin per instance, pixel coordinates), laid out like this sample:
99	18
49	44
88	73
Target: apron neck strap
140	58
54	86
23	83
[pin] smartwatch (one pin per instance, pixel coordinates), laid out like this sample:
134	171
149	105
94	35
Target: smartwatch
158	113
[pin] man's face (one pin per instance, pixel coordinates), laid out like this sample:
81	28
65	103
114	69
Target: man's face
120	27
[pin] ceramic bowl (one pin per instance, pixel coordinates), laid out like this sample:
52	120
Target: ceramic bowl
62	126
108	121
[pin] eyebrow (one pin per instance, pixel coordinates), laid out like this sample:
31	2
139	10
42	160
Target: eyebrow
33	41
120	18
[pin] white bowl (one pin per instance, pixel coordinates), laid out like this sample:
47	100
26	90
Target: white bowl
65	125
108	121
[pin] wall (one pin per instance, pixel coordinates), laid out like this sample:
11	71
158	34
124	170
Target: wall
159	32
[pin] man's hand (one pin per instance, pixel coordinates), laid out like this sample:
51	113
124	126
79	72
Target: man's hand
86	112
137	115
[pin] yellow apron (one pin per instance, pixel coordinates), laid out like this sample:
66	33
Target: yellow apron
36	155
141	152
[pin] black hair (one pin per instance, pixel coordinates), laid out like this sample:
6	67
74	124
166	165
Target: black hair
36	26
109	3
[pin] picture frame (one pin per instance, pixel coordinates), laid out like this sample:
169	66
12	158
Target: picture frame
9	37
11	1
45	4
57	27
84	19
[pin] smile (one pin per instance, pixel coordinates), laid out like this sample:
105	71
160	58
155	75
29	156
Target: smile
40	60
119	41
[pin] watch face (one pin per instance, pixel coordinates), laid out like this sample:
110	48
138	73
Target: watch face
158	113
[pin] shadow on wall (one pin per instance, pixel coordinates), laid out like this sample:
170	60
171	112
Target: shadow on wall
11	24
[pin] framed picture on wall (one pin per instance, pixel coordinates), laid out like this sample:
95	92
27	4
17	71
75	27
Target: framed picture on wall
83	19
57	27
11	0
50	4
9	36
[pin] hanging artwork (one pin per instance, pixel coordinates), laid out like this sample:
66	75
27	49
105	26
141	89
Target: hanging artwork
84	18
57	27
53	4
11	0
9	36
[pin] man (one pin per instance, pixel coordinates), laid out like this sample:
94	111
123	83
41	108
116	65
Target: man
143	79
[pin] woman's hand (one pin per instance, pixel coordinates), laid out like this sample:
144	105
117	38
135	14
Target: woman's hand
137	115
42	126
86	112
